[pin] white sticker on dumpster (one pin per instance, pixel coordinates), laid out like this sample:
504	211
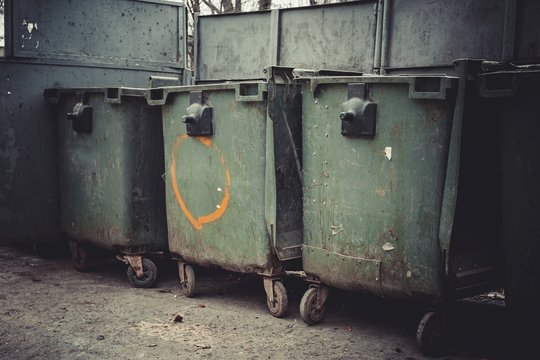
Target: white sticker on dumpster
388	152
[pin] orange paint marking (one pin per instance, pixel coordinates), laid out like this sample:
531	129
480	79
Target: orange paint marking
213	216
206	141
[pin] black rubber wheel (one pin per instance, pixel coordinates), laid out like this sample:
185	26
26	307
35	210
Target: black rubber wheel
188	286
148	279
308	307
278	307
430	333
80	256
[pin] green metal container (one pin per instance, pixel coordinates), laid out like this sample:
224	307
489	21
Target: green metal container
112	194
513	92
381	161
232	155
67	43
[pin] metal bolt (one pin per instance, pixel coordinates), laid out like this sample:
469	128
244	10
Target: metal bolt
316	101
315	153
324	203
326	134
326	106
316	126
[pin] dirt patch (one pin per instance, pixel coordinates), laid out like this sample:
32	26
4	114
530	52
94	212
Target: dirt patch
50	311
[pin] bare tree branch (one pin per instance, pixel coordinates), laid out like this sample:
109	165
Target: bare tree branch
213	8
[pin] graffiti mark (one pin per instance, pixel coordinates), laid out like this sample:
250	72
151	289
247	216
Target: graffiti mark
221	207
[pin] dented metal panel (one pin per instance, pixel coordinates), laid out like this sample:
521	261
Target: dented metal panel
102	31
234	197
372	204
239	46
111	187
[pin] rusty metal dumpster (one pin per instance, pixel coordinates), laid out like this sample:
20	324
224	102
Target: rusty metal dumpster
381	161
68	43
111	165
232	155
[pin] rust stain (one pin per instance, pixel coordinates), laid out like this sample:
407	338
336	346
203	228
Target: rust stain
213	216
391	232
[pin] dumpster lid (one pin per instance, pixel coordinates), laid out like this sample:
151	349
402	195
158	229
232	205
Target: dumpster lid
122	32
238	46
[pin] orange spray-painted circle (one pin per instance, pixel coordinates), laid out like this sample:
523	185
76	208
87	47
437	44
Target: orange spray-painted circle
213	216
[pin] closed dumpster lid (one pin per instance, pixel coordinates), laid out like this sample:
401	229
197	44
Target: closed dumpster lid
239	46
122	32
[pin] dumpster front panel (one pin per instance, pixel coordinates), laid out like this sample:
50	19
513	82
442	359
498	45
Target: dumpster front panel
216	184
112	194
372	203
29	197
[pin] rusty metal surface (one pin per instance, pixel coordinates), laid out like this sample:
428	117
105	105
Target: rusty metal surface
111	187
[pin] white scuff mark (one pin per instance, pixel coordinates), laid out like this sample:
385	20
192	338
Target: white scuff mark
388	152
219	189
388	247
336	229
9	92
30	27
218	206
409	274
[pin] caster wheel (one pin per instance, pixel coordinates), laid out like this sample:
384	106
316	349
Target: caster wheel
80	256
188	285
429	334
149	275
278	307
308	308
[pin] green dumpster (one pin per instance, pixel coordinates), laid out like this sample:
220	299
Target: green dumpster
112	194
233	181
382	164
514	93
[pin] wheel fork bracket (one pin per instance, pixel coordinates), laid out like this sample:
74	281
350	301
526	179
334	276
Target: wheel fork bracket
135	261
322	295
182	272
268	282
